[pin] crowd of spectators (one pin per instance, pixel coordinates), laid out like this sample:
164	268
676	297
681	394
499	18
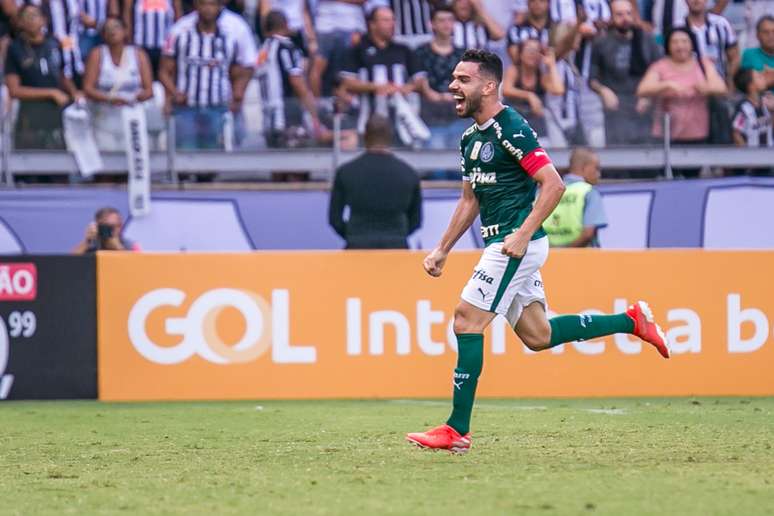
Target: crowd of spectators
276	73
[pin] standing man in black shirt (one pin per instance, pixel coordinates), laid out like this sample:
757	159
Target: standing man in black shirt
34	74
382	192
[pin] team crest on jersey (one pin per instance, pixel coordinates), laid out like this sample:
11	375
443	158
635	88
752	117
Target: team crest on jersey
487	152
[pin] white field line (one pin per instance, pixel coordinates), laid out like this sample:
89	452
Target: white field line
610	412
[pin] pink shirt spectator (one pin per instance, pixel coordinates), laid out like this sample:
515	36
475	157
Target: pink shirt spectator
690	115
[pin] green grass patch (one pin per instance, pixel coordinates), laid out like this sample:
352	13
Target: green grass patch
618	457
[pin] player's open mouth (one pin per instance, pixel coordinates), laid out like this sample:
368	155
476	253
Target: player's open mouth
459	101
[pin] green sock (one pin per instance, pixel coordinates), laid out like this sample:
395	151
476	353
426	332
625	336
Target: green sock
470	360
569	328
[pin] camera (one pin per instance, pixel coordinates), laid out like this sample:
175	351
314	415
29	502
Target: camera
104	231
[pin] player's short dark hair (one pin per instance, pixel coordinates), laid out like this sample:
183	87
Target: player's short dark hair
488	62
378	131
441	9
742	79
276	20
763	19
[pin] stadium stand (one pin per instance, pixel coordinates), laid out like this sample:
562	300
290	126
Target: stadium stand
295	99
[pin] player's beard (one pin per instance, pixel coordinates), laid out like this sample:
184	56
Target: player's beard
472	105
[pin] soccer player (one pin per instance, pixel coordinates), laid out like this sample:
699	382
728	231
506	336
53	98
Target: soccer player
502	165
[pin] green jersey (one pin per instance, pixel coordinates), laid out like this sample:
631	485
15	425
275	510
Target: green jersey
499	159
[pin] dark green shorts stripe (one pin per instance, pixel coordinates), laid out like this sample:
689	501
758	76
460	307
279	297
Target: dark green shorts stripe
510	270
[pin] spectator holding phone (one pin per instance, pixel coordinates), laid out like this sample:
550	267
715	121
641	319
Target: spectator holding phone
104	234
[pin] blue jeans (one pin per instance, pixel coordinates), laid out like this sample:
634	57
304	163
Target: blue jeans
199	128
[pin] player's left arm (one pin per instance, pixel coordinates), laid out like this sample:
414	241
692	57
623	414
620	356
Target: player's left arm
551	190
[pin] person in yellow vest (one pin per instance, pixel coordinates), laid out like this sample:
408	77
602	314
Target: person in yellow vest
580	213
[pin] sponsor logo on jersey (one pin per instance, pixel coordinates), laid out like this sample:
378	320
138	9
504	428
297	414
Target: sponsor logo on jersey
490	231
487	152
475	151
480	274
515	151
484	178
498	130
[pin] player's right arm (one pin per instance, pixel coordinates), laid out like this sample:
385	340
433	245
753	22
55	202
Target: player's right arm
464	215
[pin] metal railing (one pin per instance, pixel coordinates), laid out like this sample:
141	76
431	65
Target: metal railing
167	165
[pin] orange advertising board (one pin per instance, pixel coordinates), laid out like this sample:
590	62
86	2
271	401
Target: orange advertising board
373	324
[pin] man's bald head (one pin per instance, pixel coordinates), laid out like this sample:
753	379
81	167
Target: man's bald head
585	163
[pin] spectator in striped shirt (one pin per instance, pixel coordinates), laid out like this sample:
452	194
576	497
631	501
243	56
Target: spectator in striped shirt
289	108
474	27
148	22
535	25
752	122
377	68
661	16
412	19
299	20
202	79
715	38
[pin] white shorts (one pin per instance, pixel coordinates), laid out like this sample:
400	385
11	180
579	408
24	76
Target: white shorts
505	285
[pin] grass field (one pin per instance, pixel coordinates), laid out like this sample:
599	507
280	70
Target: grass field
658	456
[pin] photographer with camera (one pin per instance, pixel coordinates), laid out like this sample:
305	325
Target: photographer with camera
104	234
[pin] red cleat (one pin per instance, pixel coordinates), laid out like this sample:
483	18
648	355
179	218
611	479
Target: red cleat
646	329
441	437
